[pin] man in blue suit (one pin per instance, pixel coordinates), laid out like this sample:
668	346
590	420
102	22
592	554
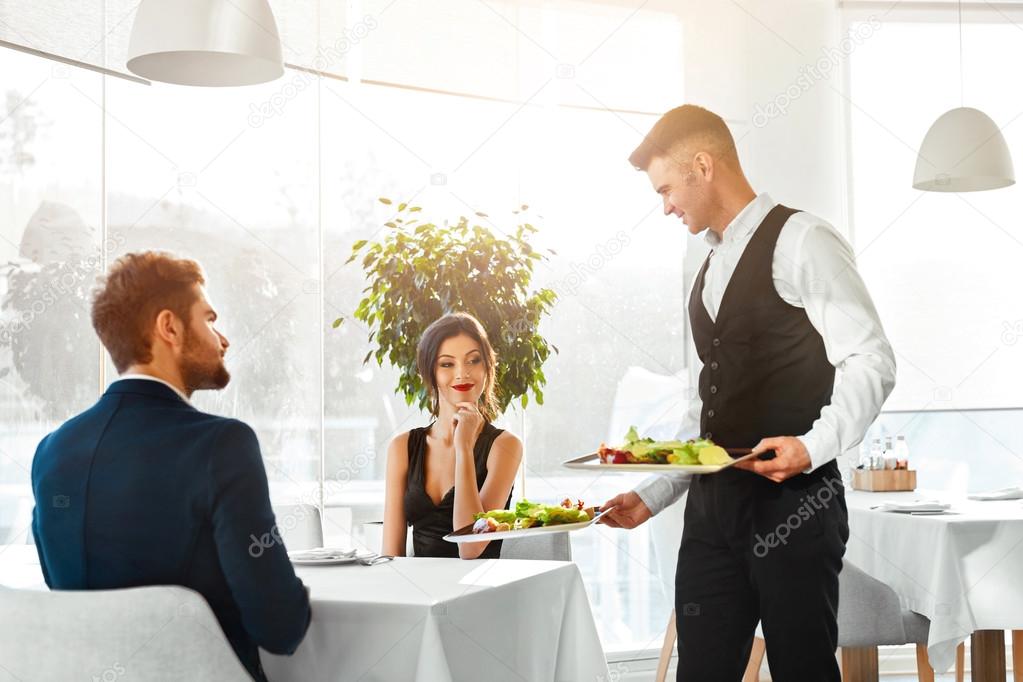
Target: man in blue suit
144	489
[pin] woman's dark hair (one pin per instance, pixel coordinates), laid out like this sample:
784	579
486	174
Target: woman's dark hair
447	327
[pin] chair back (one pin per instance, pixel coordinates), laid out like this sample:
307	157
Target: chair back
542	546
869	612
300	526
156	634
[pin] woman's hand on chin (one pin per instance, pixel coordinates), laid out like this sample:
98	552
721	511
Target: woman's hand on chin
468	422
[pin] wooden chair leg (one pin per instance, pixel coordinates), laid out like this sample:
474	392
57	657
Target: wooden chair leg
987	656
924	670
859	664
1017	655
756	659
960	661
666	649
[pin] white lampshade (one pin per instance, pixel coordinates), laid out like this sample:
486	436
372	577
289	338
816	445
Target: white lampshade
963	151
205	42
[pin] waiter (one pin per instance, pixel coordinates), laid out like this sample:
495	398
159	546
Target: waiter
777	307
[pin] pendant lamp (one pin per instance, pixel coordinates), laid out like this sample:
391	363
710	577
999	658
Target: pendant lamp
205	42
963	151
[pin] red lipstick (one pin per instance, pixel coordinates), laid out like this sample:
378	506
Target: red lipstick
463	387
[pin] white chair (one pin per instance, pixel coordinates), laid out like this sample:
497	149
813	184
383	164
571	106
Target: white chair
155	634
300	525
546	547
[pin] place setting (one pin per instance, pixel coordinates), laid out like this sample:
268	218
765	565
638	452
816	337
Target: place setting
325	556
915	507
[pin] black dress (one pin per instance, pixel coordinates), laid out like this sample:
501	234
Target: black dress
431	522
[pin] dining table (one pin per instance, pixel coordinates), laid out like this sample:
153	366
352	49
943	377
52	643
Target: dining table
962	568
426	620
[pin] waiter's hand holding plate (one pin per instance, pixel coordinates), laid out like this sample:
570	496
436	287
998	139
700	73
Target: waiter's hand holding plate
790	458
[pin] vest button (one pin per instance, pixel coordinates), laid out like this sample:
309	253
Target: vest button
713	389
709	435
714	364
710	413
716	342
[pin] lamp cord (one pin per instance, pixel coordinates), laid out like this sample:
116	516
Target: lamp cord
962	97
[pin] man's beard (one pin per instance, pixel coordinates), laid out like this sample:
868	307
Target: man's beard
197	373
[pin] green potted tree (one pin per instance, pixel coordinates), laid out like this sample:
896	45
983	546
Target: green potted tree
419	271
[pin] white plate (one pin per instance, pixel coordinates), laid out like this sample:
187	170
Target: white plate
1014	493
920	512
591	462
325	562
918	507
465	534
305	557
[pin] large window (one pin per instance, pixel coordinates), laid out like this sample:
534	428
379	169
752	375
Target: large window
51	244
942	268
269	186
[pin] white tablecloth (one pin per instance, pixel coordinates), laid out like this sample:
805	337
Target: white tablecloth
427	620
963	570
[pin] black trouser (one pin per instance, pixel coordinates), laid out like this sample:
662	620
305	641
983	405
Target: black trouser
753	549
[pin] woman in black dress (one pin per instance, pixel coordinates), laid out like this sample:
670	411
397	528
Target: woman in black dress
439	476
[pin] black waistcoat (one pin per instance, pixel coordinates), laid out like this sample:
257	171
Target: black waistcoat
765	371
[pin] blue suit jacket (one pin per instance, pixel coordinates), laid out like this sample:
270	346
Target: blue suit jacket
143	489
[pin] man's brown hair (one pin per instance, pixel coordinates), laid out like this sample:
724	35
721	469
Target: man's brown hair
134	291
691	125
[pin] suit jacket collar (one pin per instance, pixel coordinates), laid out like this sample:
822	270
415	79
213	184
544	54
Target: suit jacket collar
152	389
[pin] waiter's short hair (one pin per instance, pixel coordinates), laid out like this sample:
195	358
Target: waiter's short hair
686	127
129	298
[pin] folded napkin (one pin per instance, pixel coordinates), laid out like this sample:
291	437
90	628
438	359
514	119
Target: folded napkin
932	506
1013	493
321	553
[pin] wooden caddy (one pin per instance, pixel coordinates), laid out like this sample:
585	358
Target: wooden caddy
884	480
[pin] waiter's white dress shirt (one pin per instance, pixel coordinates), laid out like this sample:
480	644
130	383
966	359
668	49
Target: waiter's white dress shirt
814	268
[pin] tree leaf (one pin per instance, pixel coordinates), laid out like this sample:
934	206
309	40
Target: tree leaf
384	200
338	322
